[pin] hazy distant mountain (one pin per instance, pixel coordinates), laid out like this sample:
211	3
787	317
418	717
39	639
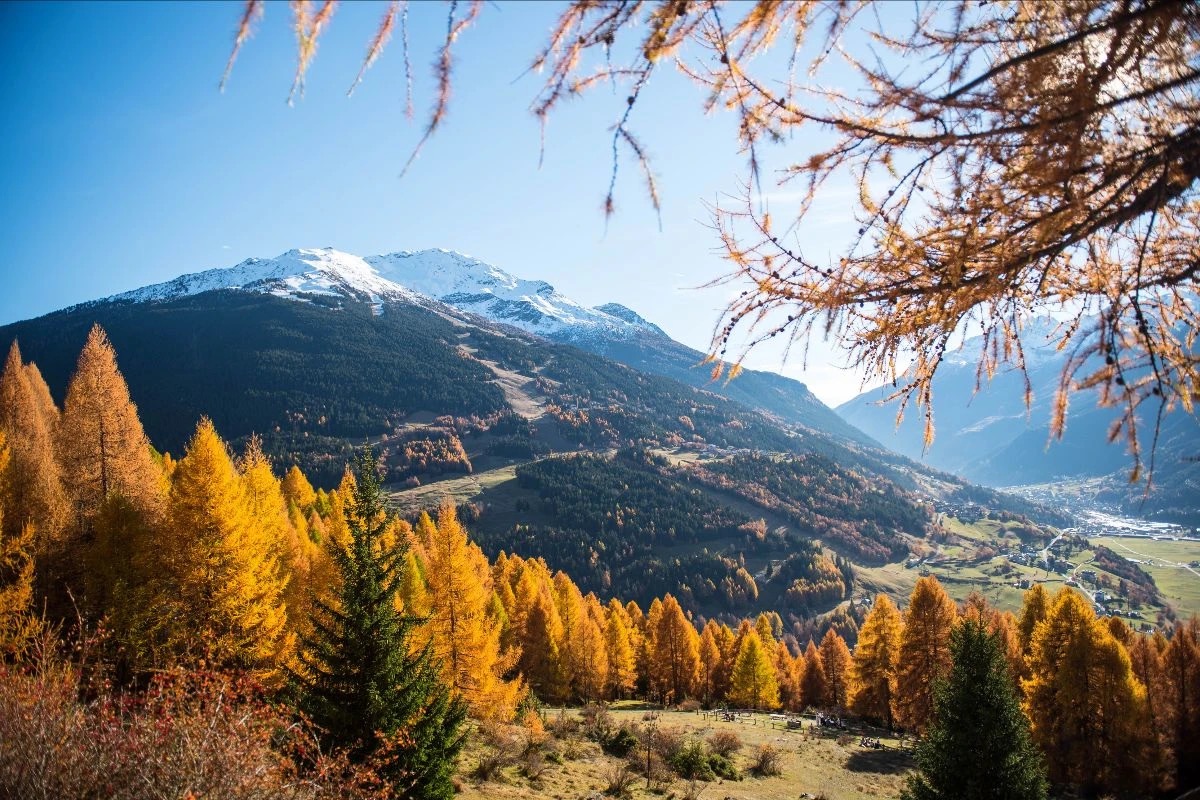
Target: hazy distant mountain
989	437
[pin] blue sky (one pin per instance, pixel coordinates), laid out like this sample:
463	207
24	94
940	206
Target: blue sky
124	165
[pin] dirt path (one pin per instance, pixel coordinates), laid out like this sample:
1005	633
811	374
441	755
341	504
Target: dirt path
517	388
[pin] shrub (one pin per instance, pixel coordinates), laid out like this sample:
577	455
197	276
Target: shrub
723	767
621	742
767	761
597	721
535	765
724	743
690	762
689	705
563	725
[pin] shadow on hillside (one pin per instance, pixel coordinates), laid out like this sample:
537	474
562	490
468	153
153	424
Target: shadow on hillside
887	762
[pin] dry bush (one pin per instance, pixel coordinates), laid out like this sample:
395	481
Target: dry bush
768	760
689	705
535	765
724	743
669	740
201	734
654	767
502	744
598	722
620	780
563	725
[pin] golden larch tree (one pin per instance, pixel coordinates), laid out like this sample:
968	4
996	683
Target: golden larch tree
836	661
1087	710
924	651
675	656
34	493
787	677
622	659
814	688
876	663
753	684
1181	673
17	625
710	661
297	490
222	586
466	638
591	650
104	448
293	551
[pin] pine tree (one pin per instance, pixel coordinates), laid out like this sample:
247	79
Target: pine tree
979	746
466	638
359	679
876	661
220	572
924	651
104	449
753	683
836	660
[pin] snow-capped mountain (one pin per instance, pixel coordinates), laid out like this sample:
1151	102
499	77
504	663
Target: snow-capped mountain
451	283
457	280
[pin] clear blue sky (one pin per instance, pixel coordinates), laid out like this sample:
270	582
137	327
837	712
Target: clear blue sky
124	166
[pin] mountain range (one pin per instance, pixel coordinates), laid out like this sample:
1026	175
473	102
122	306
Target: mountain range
583	435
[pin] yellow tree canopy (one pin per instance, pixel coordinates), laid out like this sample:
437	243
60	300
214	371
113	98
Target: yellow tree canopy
753	684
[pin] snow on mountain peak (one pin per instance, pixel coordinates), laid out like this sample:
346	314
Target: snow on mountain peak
455	279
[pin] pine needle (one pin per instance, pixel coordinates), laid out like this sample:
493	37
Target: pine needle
254	8
308	29
381	36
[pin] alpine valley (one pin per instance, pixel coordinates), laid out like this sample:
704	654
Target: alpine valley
586	436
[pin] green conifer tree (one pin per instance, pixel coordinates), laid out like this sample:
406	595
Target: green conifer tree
359	679
979	745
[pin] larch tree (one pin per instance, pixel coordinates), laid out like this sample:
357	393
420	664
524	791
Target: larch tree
297	490
622	660
466	638
541	656
978	746
359	679
1181	673
591	680
17	624
33	486
924	651
710	661
837	661
1035	604
753	684
293	552
1008	160
221	577
876	663
104	448
675	657
815	686
786	677
1087	709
